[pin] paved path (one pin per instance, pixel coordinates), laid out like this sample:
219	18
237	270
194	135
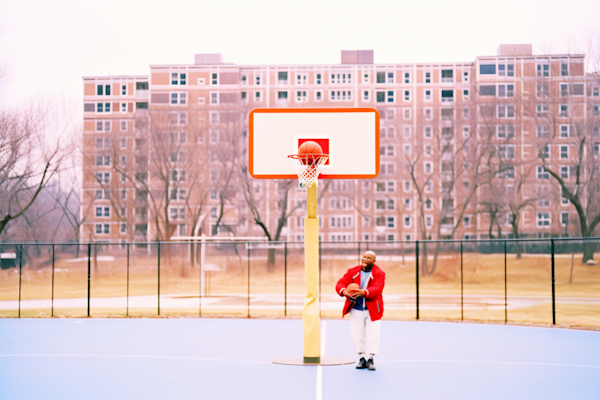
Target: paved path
295	302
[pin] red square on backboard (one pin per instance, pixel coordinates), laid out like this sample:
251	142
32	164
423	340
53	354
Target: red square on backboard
324	143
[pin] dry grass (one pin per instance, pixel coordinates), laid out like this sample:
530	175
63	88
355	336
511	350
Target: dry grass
483	274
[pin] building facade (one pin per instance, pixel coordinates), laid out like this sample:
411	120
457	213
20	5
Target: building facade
468	150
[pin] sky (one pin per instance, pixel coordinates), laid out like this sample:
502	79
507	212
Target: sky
47	46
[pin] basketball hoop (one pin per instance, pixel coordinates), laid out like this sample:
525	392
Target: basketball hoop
307	166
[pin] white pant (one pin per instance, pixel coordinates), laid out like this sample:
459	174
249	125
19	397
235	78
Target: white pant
363	331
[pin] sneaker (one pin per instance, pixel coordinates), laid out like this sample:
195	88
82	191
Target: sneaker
362	363
370	365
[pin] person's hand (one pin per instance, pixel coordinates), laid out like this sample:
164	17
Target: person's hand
358	293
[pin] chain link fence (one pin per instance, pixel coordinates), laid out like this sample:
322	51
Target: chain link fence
524	281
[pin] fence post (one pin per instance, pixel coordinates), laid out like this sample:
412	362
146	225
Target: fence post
461	282
417	271
89	276
553	282
250	245
359	258
285	280
158	296
127	313
20	269
505	288
52	312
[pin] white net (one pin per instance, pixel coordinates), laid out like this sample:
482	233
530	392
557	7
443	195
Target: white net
307	166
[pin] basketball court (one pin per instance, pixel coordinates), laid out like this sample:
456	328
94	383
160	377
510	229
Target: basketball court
232	359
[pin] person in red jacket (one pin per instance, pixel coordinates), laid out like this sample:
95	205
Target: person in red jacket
365	306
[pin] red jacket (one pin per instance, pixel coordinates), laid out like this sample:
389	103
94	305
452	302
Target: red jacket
374	289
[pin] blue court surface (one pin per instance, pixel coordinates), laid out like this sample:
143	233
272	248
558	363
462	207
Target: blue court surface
231	359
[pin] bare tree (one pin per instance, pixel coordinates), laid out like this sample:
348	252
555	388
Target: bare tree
30	156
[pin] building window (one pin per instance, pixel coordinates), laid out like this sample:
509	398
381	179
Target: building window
544	151
564	152
506	111
178	98
103	126
366	95
428	132
466	79
103	90
505	131
282	78
542	174
341	95
428	94
487	90
487	69
564	218
542	90
543	69
319	79
506	152
542	131
428	167
214	79
427	77
506	91
407	221
543	219
542	110
301	96
407	113
466	132
564	131
102	107
407	77
257	97
447	96
407	95
506	172
178	78
447	76
390	222
301	79
564	69
384	96
214	98
564	172
318	95
102	229
506	70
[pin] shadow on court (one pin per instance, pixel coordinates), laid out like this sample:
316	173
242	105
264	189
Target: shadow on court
231	359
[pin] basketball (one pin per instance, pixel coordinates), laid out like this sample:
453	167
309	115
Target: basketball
352	288
309	148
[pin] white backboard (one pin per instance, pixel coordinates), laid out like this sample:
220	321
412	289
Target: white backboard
349	135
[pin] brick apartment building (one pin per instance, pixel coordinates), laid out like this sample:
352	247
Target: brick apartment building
463	149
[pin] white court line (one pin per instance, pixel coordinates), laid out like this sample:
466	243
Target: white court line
134	356
491	362
320	367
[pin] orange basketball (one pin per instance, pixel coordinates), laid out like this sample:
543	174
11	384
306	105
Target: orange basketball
309	147
352	288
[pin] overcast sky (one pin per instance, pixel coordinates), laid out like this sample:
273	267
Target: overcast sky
47	46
